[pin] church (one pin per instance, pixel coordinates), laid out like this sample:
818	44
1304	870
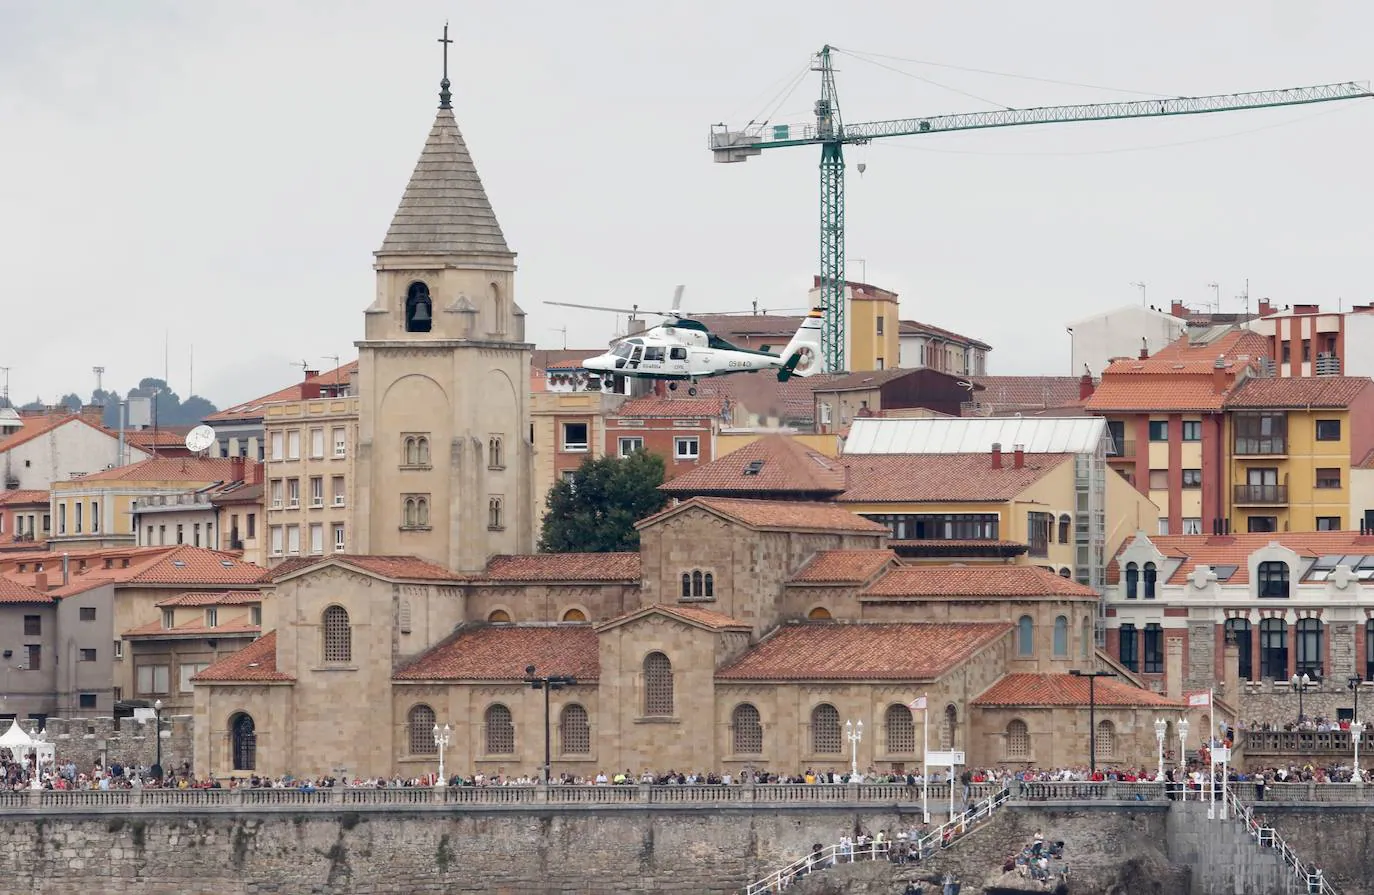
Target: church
744	634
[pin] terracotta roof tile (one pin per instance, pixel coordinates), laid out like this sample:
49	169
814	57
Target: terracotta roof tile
564	567
186	565
169	469
410	568
963	478
792	402
975	581
777	514
239	625
256	662
253	410
214	598
23	498
866	379
695	614
1300	392
1235	550
1027	391
917	328
160	438
773	464
38	426
844	567
501	652
1133	392
862	651
13	592
653	406
1065	689
1236	343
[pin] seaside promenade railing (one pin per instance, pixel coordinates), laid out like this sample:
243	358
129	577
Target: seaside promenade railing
877	795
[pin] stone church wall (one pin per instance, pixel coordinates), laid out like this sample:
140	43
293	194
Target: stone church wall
88	741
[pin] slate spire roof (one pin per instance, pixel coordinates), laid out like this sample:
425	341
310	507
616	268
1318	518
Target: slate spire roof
445	210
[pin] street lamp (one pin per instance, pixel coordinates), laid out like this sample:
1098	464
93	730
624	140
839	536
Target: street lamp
1092	677
1356	728
1183	756
547	683
1300	683
442	737
1161	730
157	735
854	733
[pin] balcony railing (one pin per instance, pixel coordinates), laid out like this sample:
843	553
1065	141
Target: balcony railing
1121	450
1328	365
1302	742
1261	494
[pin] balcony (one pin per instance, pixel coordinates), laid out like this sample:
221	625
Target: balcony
1267	446
1304	743
1328	365
1260	495
1121	450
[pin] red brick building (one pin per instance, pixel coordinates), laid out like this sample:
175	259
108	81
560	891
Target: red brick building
680	430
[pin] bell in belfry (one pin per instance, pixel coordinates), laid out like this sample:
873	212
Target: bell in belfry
421	314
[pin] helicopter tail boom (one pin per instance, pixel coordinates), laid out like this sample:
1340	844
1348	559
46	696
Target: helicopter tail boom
803	353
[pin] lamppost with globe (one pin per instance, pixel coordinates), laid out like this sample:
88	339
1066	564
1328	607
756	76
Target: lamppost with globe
1183	756
1356	728
442	737
1300	683
854	733
1161	731
157	734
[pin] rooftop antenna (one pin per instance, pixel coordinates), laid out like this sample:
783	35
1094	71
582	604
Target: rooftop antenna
1141	287
445	97
335	359
564	330
1216	296
1245	296
99	378
5	389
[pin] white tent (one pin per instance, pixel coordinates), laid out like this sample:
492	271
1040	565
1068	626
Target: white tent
16	740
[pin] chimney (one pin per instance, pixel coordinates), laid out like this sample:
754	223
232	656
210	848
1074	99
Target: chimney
1265	308
1178	309
1144	348
236	469
1306	309
40	582
1018	456
1085	384
1220	378
254	472
996	455
310	387
1173	668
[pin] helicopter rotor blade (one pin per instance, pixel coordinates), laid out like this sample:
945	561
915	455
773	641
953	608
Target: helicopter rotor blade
569	304
677	297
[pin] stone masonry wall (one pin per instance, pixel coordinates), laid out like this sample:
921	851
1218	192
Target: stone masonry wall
87	741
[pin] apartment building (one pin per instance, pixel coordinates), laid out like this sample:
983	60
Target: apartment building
680	430
309	473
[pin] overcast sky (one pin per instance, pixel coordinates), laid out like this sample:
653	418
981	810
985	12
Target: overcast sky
221	172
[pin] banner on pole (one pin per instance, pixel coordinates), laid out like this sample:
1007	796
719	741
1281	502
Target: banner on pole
1199	699
945	758
918	704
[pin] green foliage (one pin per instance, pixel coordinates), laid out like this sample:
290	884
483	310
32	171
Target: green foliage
172	412
596	512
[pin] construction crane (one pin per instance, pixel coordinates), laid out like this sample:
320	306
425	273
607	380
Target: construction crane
831	133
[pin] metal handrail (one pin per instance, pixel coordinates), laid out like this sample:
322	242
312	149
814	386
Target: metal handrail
1268	837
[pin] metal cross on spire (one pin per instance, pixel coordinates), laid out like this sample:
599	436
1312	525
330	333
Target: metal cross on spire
445	97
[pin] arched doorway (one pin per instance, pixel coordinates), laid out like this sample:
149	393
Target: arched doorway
243	742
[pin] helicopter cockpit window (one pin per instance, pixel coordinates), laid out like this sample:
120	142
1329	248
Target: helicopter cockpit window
677	353
653	352
622	350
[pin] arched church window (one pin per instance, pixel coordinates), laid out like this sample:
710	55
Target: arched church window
901	729
495	517
1106	741
746	730
337	635
422	449
1017	739
574	615
949	730
500	730
420	730
710	585
410	451
574	732
825	729
818	613
696	583
499	617
686	584
495	456
419	309
243	742
498	310
658	685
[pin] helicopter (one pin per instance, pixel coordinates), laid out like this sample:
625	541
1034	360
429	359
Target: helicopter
681	349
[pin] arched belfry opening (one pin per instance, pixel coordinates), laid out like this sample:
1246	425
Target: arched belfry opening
419	309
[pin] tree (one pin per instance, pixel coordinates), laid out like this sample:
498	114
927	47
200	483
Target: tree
596	512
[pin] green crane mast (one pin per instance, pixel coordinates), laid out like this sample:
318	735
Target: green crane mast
831	133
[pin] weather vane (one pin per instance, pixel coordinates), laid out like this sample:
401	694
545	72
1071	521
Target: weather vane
445	97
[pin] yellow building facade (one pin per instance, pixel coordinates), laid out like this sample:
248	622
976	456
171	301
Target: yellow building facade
309	476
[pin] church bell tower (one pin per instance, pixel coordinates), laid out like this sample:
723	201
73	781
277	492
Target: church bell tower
443	469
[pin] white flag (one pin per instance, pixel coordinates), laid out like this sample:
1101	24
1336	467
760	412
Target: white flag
1200	699
918	704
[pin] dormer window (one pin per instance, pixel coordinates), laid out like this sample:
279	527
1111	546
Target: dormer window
419	309
1132	580
1273	580
1151	576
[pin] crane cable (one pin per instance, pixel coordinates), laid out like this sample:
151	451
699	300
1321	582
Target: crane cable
974	96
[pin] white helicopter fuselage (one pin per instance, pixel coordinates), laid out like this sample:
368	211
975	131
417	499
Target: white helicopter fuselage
684	350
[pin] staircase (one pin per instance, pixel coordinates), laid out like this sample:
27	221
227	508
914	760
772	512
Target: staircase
943	836
1300	880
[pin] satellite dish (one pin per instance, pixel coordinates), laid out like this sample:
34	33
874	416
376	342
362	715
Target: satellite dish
199	438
